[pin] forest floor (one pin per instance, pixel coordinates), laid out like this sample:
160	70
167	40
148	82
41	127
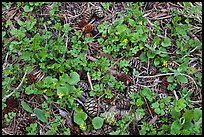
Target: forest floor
96	68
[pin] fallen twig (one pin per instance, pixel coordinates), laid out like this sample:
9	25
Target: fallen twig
89	79
167	74
4	99
176	96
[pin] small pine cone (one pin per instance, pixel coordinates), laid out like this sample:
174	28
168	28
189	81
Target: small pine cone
106	129
122	102
99	11
91	107
83	85
172	65
133	88
152	70
87	29
82	23
87	15
135	63
96	132
162	95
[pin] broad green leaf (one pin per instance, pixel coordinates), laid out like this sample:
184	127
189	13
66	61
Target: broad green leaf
175	114
26	107
197	114
139	102
117	132
181	103
161	105
162	49
156	40
74	78
170	79
131	22
27	8
64	78
183	67
156	62
157	110
155	105
40	115
49	81
143	57
188	115
182	78
143	37
150	54
62	90
162	112
175	127
166	42
80	117
121	28
97	122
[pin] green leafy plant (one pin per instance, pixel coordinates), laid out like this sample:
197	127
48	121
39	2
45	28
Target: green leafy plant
26	107
97	122
158	108
32	129
9	116
41	115
79	118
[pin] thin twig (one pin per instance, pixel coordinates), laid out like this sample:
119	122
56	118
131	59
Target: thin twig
166	74
4	99
148	106
89	79
176	96
79	102
197	101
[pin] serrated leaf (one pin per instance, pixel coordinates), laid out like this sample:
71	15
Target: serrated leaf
182	78
97	122
74	78
40	115
26	107
80	117
166	42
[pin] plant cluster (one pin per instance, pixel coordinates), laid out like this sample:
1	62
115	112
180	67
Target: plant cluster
62	52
